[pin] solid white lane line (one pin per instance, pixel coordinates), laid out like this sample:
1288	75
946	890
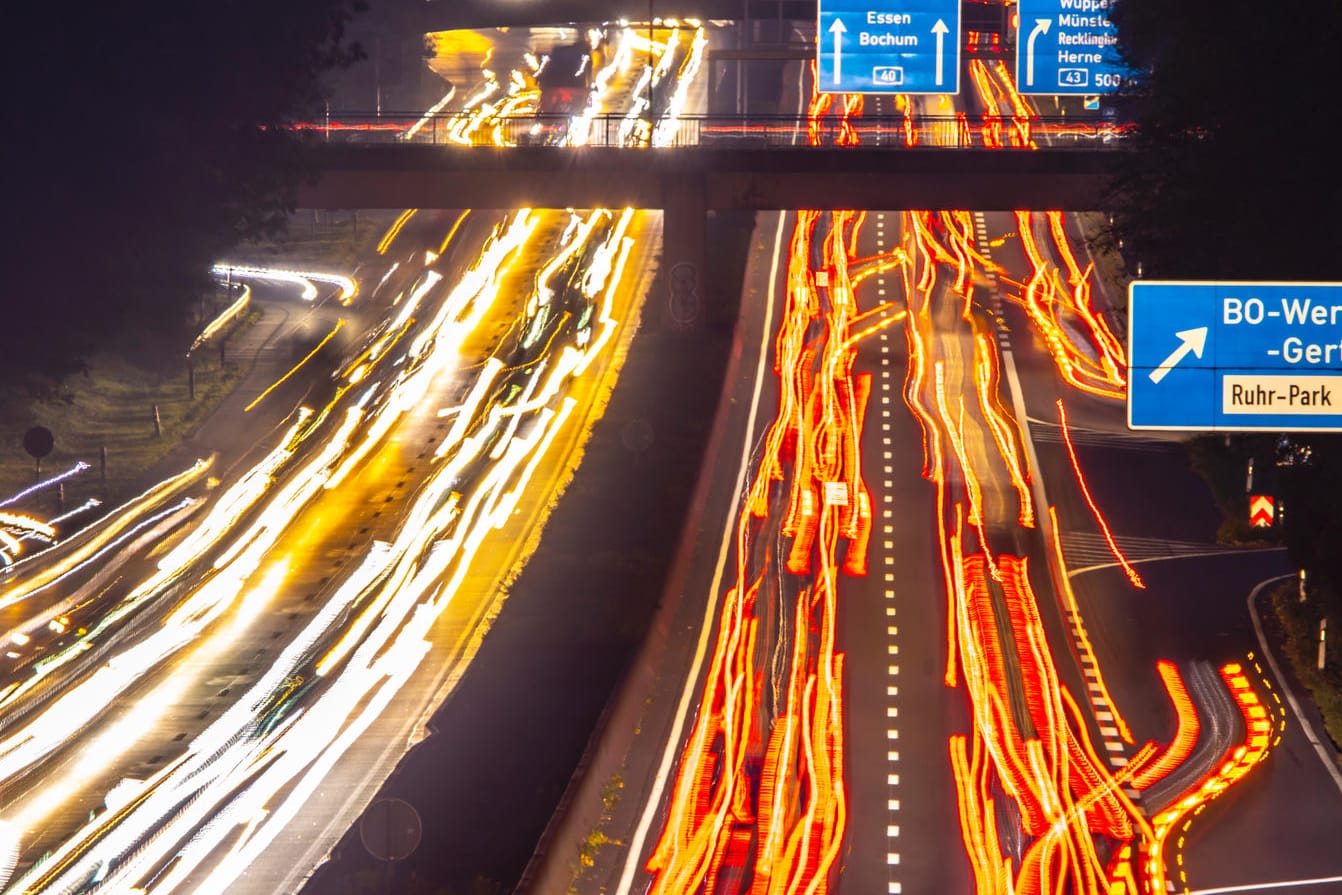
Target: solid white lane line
1260	887
634	858
1329	764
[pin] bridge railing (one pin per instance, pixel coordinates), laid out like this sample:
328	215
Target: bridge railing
754	131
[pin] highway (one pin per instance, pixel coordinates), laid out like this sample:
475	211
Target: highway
961	630
948	625
211	708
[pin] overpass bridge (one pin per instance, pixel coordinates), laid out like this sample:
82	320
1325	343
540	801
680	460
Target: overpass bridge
754	168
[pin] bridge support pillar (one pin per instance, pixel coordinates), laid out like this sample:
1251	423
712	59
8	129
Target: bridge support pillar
684	247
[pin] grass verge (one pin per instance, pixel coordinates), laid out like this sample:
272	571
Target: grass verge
1110	267
1298	631
321	240
112	408
112	405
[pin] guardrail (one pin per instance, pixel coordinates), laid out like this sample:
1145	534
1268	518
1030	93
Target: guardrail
754	132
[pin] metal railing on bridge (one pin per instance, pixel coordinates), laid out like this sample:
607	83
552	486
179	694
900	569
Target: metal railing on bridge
727	131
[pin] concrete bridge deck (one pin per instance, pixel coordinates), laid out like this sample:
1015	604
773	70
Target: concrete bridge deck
427	176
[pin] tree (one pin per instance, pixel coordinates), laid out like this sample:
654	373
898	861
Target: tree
1234	177
1234	174
148	137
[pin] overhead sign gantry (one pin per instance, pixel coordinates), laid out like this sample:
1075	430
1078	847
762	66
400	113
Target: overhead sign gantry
1231	356
888	46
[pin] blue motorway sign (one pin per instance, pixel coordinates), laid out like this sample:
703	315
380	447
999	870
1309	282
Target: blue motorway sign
1235	356
889	46
1067	47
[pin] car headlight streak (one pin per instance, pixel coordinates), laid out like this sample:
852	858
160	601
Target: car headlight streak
356	660
303	278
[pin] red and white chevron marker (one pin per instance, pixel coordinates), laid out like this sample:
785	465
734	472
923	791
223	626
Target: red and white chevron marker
1262	511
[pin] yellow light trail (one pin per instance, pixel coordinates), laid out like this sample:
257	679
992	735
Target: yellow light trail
296	367
395	229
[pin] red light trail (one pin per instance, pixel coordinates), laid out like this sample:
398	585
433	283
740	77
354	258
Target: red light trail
759	802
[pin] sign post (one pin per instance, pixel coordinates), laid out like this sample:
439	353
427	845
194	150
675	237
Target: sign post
1230	356
1067	47
888	46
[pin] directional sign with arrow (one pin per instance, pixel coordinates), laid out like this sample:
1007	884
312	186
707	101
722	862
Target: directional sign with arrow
1041	26
1067	47
838	29
889	46
1235	356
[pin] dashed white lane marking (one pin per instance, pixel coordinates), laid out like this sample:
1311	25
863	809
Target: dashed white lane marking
888	561
995	296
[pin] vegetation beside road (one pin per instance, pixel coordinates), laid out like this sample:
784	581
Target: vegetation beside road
136	174
326	241
1299	631
1213	190
1223	464
111	406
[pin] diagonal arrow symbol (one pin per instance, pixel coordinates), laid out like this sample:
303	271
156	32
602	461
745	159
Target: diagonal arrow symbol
1190	340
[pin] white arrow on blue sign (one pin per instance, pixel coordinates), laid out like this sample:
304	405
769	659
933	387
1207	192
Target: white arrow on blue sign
898	46
1230	356
1067	47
